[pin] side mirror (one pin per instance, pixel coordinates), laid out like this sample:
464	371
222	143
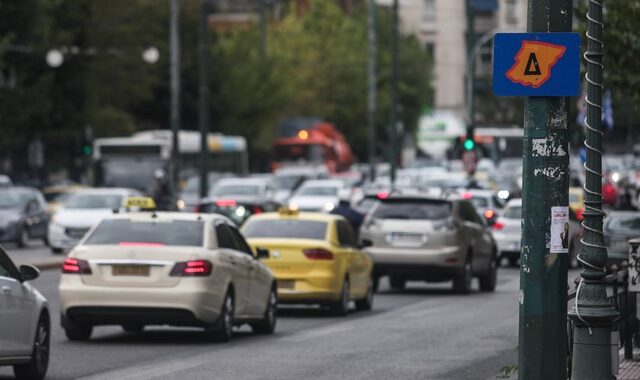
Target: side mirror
366	243
262	253
29	272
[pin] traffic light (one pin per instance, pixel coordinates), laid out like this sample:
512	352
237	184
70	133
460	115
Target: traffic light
87	149
469	144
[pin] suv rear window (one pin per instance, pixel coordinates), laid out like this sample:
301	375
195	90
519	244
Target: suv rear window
285	228
165	232
412	209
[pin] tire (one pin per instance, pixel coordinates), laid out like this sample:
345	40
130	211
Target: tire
513	262
222	328
56	251
23	238
376	284
36	368
133	328
268	323
488	281
366	303
341	307
78	332
462	282
397	283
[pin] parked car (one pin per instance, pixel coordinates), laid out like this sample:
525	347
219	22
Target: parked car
430	239
178	269
83	210
315	258
23	215
25	328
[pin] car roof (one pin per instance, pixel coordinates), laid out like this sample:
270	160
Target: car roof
243	181
323	182
108	190
418	197
166	216
311	216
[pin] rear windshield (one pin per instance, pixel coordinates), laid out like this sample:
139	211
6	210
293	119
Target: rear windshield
286	228
94	201
319	191
480	202
165	232
225	190
412	210
514	212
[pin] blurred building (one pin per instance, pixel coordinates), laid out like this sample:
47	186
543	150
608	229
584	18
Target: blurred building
441	26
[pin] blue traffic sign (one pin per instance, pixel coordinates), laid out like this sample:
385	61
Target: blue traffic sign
536	64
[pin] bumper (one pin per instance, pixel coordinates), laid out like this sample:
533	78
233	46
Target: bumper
445	256
193	303
59	239
315	288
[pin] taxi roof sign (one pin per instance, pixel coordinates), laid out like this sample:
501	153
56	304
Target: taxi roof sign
288	211
536	64
144	203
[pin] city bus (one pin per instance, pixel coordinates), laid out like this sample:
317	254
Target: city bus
132	161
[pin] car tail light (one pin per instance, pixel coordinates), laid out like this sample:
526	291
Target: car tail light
318	254
489	214
197	208
192	268
382	195
76	266
225	203
579	214
466	195
498	226
257	210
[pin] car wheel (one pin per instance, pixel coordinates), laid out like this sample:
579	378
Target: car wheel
222	329
397	283
36	368
56	251
489	280
341	307
376	284
366	303
23	238
268	323
133	328
462	282
78	332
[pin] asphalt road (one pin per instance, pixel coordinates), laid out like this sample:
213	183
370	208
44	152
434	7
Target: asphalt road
425	332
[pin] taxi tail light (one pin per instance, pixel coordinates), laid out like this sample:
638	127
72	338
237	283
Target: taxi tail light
193	268
318	254
75	266
498	226
580	214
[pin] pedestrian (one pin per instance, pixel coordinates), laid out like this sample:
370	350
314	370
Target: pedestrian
355	218
161	192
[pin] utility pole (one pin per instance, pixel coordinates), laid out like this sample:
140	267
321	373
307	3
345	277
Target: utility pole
592	314
543	273
174	117
262	15
371	93
394	95
471	71
203	116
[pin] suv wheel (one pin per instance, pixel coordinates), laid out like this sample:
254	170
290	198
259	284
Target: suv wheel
78	332
462	282
489	280
397	283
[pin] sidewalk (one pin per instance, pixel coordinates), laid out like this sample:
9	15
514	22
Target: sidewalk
629	369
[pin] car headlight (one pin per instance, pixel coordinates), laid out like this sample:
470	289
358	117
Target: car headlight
503	194
293	206
180	204
329	206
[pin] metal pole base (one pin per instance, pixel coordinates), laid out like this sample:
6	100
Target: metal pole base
589	352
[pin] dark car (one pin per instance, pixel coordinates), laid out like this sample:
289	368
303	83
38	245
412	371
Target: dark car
619	227
22	215
236	210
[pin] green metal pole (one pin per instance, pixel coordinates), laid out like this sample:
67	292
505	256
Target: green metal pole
543	274
394	95
592	314
174	116
203	117
371	91
471	70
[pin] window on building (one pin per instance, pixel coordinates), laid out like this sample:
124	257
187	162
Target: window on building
512	11
431	49
429	11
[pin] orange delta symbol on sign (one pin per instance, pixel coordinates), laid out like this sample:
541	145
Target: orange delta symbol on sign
534	62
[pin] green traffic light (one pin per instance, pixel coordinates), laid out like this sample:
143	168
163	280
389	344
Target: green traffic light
469	144
87	150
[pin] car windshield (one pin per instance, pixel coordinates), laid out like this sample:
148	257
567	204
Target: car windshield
236	212
94	201
12	199
151	233
57	196
624	224
414	210
288	182
513	212
286	229
236	190
327	191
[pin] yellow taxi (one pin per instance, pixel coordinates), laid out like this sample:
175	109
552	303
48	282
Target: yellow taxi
315	257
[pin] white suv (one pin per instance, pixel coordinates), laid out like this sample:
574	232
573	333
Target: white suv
24	321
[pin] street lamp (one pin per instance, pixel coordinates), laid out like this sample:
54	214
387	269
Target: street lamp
54	58
151	55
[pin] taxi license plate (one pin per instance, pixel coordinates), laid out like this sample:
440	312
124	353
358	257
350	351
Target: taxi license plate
130	270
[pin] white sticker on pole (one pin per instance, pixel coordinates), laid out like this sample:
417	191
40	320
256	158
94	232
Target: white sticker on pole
559	229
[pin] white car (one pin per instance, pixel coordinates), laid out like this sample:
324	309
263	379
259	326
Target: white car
178	269
24	321
317	195
507	231
83	210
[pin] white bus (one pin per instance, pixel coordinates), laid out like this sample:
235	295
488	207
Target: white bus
132	161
